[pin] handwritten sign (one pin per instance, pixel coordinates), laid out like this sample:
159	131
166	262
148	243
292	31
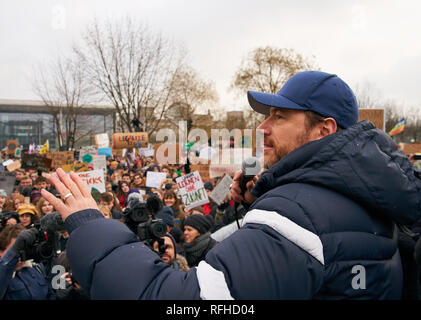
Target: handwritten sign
218	170
14	166
102	140
60	158
154	179
191	190
99	162
94	179
130	140
36	162
221	190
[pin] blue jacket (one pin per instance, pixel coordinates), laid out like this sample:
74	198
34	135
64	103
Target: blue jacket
323	227
29	283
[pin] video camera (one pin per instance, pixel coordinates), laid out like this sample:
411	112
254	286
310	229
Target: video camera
140	218
5	216
45	246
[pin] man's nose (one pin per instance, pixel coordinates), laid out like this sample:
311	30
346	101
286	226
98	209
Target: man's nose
265	126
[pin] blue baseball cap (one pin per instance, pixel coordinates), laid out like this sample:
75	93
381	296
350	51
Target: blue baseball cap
320	92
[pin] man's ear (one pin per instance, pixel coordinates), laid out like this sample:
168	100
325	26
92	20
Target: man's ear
325	128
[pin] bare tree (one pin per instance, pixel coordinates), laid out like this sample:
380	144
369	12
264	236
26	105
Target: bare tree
131	68
63	89
190	94
267	69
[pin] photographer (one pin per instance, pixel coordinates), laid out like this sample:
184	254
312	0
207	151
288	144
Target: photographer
329	202
169	254
21	280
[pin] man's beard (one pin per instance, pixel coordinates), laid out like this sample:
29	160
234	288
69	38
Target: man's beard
282	151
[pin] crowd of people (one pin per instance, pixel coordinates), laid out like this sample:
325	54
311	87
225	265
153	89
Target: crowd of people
184	245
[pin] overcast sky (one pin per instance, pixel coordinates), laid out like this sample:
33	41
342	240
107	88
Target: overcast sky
374	42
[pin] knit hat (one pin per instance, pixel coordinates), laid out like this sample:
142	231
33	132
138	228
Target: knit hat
199	222
27	208
168	235
35	194
167	216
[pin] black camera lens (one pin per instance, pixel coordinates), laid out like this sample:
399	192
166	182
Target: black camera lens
159	229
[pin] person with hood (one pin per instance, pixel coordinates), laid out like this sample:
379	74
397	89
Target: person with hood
322	221
170	254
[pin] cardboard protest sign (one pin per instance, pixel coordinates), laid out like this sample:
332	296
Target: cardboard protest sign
36	162
60	158
130	140
12	146
191	190
94	179
154	179
102	140
203	170
222	189
76	167
14	166
7	182
377	116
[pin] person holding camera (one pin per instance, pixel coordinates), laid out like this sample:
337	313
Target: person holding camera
169	253
321	222
21	280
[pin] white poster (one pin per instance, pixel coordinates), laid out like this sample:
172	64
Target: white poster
102	140
221	191
99	162
94	179
154	179
191	190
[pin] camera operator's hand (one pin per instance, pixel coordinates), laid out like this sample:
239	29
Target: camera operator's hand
24	240
74	192
236	193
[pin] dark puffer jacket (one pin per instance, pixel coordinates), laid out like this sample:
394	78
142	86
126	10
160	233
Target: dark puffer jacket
323	227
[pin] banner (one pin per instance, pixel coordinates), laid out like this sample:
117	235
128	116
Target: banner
218	170
102	140
191	190
154	179
130	140
221	190
76	167
94	179
7	182
107	152
36	162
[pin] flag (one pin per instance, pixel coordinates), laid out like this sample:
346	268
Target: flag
398	128
45	148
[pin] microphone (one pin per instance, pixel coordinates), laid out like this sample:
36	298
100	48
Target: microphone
250	167
52	222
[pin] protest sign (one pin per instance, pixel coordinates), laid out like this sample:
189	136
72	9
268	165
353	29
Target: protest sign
376	116
14	166
221	190
203	170
154	179
94	179
76	167
102	140
191	190
130	140
87	150
7	182
99	162
7	162
11	146
36	162
107	152
60	158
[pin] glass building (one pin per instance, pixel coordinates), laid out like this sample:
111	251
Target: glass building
31	122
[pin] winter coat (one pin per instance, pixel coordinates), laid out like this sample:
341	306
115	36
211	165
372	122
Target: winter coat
323	227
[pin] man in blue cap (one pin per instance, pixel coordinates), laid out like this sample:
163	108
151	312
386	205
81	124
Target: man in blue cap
321	223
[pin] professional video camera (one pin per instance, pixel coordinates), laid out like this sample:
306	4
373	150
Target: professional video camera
46	245
140	218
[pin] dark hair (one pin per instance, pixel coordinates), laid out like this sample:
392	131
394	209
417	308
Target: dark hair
41	179
9	233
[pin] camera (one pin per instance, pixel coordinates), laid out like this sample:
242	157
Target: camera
44	247
140	218
5	216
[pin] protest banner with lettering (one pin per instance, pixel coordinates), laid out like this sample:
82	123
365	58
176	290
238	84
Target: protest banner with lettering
36	162
94	179
191	190
221	190
154	179
102	140
130	140
7	182
76	167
